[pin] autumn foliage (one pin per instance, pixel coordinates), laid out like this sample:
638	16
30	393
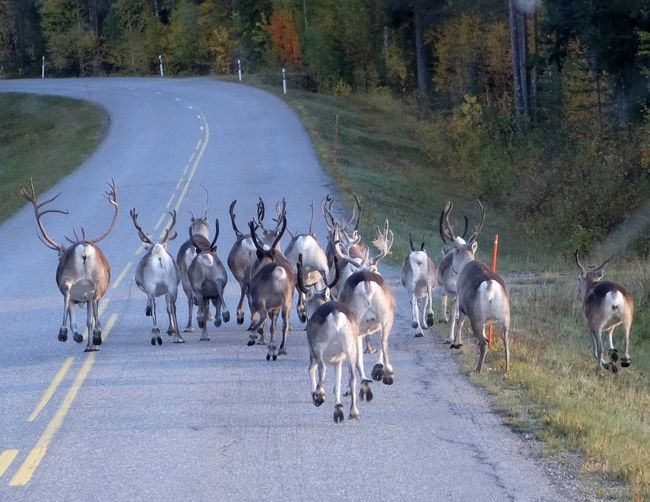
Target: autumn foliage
284	37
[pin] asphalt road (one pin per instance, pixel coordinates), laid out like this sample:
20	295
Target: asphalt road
214	420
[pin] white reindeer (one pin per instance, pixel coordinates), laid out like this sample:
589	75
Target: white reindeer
605	305
482	294
333	337
371	299
418	276
157	275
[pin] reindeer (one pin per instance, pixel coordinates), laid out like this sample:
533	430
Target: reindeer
208	278
333	336
605	305
314	263
418	276
446	276
349	240
371	299
482	295
187	253
243	254
156	275
271	290
83	272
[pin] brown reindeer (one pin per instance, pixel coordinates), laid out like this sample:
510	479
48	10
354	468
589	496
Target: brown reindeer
83	272
605	305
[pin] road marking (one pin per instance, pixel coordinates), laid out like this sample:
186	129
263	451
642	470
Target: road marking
122	275
58	378
34	458
6	458
195	165
171	198
179	183
162	217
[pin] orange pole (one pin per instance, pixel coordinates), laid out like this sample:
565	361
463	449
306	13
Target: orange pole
495	251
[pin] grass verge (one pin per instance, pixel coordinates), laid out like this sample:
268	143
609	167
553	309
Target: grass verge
43	137
374	149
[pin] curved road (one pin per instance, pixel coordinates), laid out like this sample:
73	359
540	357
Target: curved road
214	420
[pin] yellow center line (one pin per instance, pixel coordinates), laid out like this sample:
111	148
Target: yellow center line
171	198
160	220
58	378
122	275
34	458
6	458
195	165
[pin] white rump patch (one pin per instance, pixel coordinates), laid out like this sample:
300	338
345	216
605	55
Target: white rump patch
206	259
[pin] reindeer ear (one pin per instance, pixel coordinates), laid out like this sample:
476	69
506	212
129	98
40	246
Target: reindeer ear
598	276
474	246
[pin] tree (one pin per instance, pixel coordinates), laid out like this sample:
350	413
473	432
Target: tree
71	43
284	38
182	42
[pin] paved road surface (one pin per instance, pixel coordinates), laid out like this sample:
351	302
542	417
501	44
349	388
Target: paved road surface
214	420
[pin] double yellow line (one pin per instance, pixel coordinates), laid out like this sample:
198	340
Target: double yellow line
27	469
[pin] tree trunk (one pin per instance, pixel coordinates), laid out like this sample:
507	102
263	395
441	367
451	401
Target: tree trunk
520	74
420	55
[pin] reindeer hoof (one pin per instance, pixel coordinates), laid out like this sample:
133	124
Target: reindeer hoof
153	341
626	362
147	311
388	379
97	338
613	355
63	334
429	320
338	413
366	392
317	398
275	357
226	316
268	357
260	330
414	325
189	329
217	322
613	368
378	372
159	340
78	338
419	335
282	352
302	317
179	339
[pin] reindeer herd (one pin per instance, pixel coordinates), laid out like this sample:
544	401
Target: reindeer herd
342	296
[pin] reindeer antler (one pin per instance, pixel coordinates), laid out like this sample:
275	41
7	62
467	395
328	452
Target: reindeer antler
144	237
111	197
44	237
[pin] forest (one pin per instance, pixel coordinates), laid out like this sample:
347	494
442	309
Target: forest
540	107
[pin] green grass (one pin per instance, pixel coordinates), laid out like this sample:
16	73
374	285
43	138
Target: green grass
43	137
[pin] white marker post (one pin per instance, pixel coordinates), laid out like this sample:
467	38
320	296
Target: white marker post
284	80
43	68
162	73
239	68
